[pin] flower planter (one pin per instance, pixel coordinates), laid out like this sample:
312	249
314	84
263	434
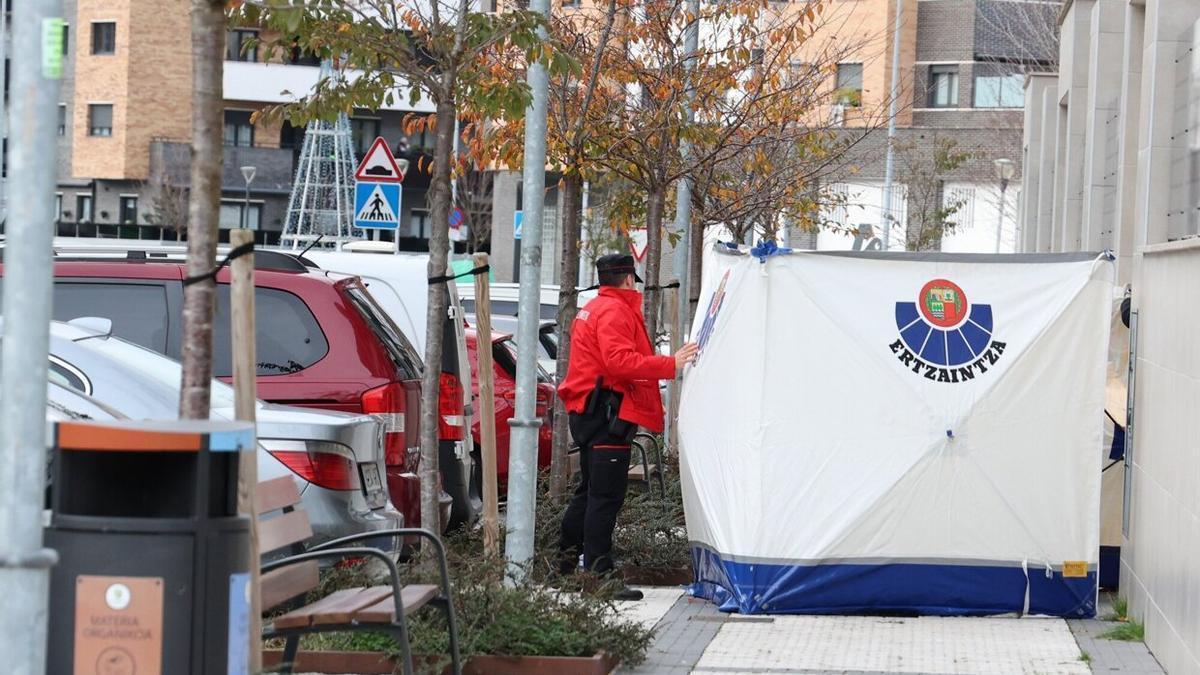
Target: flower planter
377	663
657	576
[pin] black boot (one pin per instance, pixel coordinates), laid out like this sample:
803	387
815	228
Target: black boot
629	594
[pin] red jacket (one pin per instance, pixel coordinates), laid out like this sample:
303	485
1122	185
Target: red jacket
608	339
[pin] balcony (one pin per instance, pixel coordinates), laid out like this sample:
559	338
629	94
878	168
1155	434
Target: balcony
282	83
275	166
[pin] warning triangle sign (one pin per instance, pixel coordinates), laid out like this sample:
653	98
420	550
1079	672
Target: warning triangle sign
377	208
379	164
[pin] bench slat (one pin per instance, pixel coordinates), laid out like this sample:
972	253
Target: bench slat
411	597
287	529
288	582
639	472
337	607
275	494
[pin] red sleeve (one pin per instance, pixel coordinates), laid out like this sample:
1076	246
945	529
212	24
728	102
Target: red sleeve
621	356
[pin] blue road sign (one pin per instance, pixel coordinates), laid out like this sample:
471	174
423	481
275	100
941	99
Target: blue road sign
456	217
517	218
376	205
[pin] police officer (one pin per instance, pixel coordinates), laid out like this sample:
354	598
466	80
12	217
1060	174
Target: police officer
610	390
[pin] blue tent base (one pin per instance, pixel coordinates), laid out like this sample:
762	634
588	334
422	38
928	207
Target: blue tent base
886	588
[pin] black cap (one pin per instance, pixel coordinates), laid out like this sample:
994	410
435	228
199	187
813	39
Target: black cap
618	263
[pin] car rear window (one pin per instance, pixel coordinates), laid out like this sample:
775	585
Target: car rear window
504	353
288	338
398	346
138	311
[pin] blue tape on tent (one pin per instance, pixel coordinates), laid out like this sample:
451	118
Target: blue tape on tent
844	588
768	248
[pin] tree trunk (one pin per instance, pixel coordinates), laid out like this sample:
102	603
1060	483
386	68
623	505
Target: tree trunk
696	262
654	219
208	36
572	197
439	247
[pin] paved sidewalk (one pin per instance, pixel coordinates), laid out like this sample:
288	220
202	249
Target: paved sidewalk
693	637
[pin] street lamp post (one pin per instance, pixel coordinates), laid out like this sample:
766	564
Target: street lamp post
247	173
1005	168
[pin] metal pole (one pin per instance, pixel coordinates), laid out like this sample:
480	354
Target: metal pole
683	208
24	564
1000	225
4	116
889	167
246	207
522	458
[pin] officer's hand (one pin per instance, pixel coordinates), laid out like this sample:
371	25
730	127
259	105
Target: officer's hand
686	355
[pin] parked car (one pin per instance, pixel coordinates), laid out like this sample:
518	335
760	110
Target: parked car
504	297
335	458
322	340
504	368
547	339
399	284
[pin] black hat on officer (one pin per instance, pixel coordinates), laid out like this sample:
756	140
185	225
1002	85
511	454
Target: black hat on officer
618	263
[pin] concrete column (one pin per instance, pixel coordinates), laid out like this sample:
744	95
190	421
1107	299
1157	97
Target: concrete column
1031	160
1103	125
1073	76
1061	116
1127	152
1167	35
1048	107
504	204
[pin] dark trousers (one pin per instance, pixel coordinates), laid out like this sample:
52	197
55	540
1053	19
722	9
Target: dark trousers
587	527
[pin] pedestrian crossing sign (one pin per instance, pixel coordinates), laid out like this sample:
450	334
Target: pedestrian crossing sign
376	205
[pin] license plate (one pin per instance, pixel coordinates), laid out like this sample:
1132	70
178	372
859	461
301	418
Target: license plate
372	483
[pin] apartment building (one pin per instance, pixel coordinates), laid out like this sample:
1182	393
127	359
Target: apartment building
1113	162
124	126
961	68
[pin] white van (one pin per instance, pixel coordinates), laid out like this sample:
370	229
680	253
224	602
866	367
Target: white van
399	282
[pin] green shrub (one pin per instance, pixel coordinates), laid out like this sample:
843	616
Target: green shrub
1127	631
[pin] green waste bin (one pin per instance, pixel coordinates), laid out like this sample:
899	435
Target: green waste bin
153	572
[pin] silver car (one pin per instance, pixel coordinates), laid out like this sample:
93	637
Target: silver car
335	458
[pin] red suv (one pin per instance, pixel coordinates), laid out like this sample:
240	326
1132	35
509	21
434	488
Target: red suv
322	341
504	367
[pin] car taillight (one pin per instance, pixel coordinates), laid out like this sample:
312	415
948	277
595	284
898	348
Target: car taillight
387	403
450	408
325	468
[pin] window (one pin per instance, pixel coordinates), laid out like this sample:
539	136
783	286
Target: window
58	206
104	37
129	210
364	131
66	35
238	129
290	136
231	215
288	338
849	84
422	140
239	45
138	311
83	208
397	344
418	220
6	79
998	86
943	86
62	119
68	375
301	56
100	119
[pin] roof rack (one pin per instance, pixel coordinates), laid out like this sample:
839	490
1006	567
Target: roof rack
133	251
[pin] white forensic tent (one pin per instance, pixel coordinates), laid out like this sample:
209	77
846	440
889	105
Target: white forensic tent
905	432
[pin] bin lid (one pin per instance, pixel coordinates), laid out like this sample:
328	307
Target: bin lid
155	436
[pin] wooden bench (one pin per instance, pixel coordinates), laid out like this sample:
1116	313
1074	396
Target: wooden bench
382	608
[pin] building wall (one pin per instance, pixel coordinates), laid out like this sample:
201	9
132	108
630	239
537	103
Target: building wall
102	79
1162	540
160	68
